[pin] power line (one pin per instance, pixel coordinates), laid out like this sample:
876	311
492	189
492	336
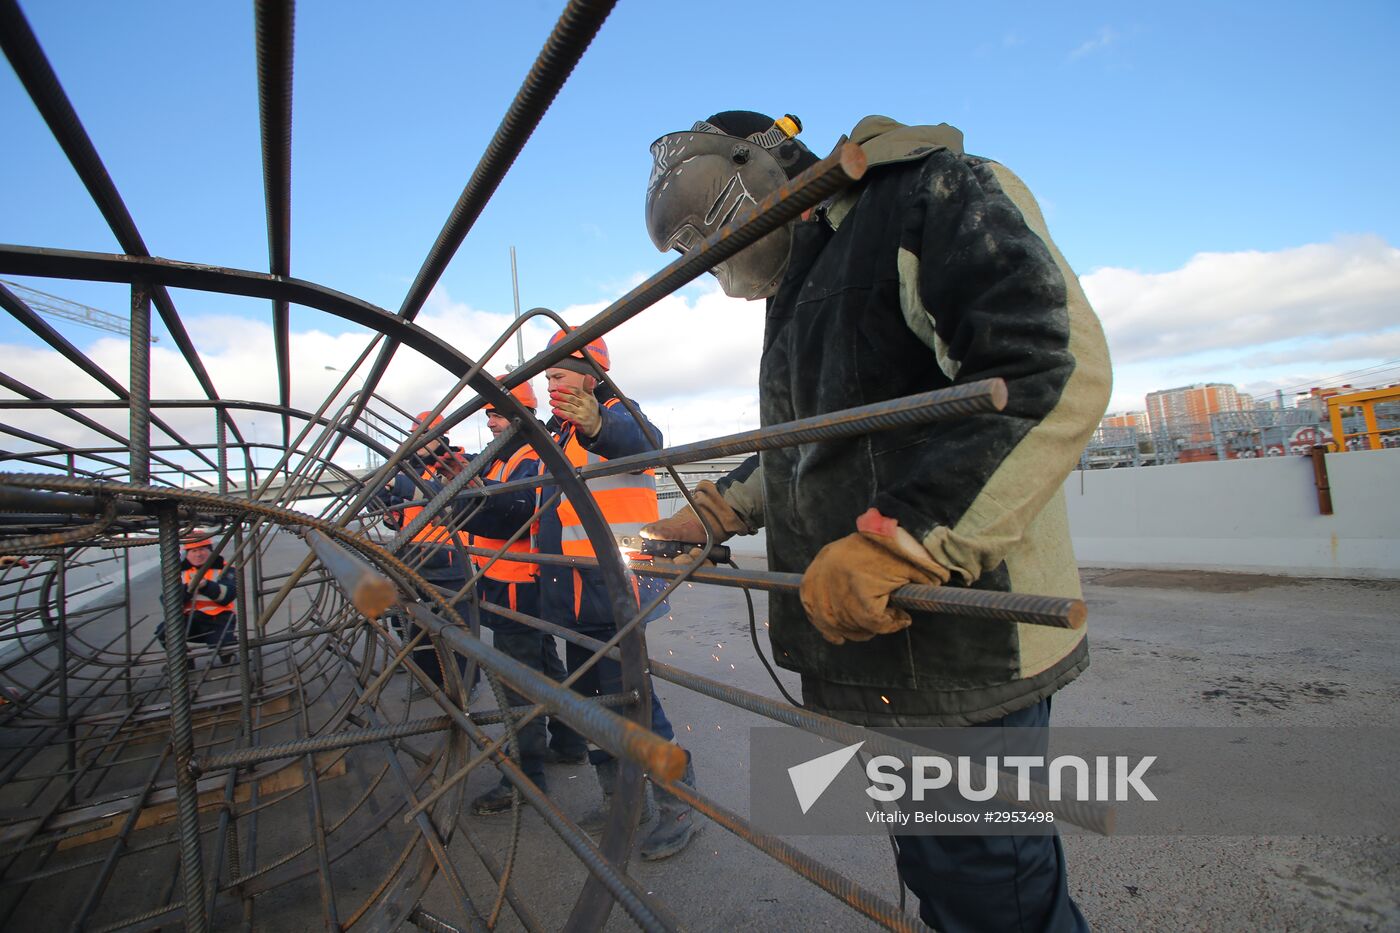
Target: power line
1321	383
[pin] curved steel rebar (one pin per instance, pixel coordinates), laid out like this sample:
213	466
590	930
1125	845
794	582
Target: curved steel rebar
314	754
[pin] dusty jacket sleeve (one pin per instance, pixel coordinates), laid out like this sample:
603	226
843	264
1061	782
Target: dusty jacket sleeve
742	488
985	288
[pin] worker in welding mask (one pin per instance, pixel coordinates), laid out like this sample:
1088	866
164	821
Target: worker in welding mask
934	270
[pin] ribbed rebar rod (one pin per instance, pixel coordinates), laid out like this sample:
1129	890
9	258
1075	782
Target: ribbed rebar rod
34	71
25	544
44	331
258	754
139	436
986	395
368	590
17	499
119	845
319	743
843	166
622	887
181	728
456	485
274	22
1092	816
959	401
854	895
59	407
1054	611
570	38
431	922
435	843
622	737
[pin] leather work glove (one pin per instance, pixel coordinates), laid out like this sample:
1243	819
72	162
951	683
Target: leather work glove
724	523
846	590
579	407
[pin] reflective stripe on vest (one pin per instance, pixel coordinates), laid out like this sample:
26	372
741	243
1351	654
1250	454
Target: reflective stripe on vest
508	571
430	532
199	603
627	500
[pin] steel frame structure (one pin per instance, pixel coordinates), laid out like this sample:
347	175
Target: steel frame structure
122	758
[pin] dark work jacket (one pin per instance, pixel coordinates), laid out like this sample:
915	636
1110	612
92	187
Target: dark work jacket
578	598
500	517
443	565
925	275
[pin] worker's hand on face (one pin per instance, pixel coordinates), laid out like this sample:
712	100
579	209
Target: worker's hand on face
685	525
579	407
846	590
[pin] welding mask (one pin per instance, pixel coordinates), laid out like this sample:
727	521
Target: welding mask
701	180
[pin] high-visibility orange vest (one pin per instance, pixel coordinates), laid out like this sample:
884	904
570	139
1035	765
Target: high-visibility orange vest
509	571
429	532
627	500
199	603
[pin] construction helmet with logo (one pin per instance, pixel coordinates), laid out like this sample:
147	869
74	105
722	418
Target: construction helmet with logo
597	351
524	394
702	179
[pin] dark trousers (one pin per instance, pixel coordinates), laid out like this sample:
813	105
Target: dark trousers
605	677
524	645
992	883
424	655
562	738
213	630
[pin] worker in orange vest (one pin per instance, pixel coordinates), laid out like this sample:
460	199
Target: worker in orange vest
513	585
591	424
208	604
434	551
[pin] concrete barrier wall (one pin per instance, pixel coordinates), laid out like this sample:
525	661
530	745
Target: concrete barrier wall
1256	516
1243	515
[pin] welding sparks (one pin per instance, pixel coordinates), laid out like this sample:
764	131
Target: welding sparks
885	698
715	656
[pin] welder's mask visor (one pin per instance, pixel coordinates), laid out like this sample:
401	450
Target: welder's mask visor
699	183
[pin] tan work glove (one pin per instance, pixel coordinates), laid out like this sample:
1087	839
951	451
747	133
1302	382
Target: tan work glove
846	590
724	523
579	407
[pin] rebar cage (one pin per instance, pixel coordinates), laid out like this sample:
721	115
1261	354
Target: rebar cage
318	764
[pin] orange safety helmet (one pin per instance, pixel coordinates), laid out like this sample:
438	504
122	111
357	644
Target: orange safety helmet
197	541
597	350
524	394
422	416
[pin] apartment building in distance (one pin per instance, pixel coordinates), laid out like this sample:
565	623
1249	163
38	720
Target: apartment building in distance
1183	415
1128	419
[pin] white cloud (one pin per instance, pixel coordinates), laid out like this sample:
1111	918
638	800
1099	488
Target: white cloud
1102	39
1297	314
1260	320
1236	300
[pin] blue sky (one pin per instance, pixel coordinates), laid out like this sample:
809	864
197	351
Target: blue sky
1150	133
